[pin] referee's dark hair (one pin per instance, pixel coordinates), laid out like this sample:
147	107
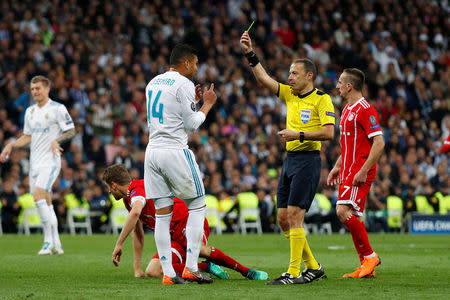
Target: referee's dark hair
309	66
181	52
355	77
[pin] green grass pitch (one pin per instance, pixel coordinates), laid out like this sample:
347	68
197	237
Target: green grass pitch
413	267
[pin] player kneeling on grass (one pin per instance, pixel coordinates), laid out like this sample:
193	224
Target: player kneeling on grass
142	211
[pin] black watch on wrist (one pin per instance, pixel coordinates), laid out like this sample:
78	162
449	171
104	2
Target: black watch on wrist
302	137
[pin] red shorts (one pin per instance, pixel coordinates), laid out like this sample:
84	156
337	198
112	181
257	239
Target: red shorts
354	195
179	247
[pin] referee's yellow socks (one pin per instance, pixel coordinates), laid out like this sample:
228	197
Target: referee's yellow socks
308	257
297	240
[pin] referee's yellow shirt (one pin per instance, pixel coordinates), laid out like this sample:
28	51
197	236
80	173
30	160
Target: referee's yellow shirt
307	113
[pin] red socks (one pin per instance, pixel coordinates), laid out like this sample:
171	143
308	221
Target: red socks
361	257
178	267
221	259
202	266
359	235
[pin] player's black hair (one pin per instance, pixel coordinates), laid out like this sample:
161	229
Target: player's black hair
355	77
181	52
309	66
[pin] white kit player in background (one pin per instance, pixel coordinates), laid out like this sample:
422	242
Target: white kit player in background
47	125
170	167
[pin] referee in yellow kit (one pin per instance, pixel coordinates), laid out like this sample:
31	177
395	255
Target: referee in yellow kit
310	119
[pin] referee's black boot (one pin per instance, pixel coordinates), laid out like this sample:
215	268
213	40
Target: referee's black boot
311	275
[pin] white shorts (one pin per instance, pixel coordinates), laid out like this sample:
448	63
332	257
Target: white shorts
43	177
172	172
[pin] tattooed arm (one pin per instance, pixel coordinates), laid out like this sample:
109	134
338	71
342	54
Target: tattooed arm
66	136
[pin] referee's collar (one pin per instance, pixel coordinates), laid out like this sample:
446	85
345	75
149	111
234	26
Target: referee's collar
307	94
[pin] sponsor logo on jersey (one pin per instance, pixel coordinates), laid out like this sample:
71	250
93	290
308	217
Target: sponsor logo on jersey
376	126
330	114
40	130
373	120
69	122
305	115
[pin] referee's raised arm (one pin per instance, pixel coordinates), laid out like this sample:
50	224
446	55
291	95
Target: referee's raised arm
257	69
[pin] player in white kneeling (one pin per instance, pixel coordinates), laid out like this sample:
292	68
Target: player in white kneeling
47	125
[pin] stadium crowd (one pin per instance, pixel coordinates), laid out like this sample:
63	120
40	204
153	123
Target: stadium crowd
100	55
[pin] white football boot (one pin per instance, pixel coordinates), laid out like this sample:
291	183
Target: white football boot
58	250
46	249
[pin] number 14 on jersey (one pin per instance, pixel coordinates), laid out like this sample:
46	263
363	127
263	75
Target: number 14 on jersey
153	110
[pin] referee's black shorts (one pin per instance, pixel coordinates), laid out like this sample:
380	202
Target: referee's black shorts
299	179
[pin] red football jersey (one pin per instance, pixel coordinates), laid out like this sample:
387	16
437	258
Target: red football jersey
359	124
136	192
446	147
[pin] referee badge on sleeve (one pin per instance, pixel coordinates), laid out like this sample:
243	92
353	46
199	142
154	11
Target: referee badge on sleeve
305	115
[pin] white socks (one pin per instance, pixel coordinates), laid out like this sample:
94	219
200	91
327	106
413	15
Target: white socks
162	240
54	227
49	222
44	214
194	235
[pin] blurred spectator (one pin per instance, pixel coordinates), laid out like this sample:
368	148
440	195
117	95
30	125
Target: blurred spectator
123	157
376	215
10	207
102	119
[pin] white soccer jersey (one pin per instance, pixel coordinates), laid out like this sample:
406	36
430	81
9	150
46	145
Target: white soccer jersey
45	124
171	111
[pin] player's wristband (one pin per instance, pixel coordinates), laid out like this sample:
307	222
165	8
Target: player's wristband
252	58
302	137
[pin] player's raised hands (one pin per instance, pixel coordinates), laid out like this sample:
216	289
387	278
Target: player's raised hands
246	43
198	93
117	253
209	95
